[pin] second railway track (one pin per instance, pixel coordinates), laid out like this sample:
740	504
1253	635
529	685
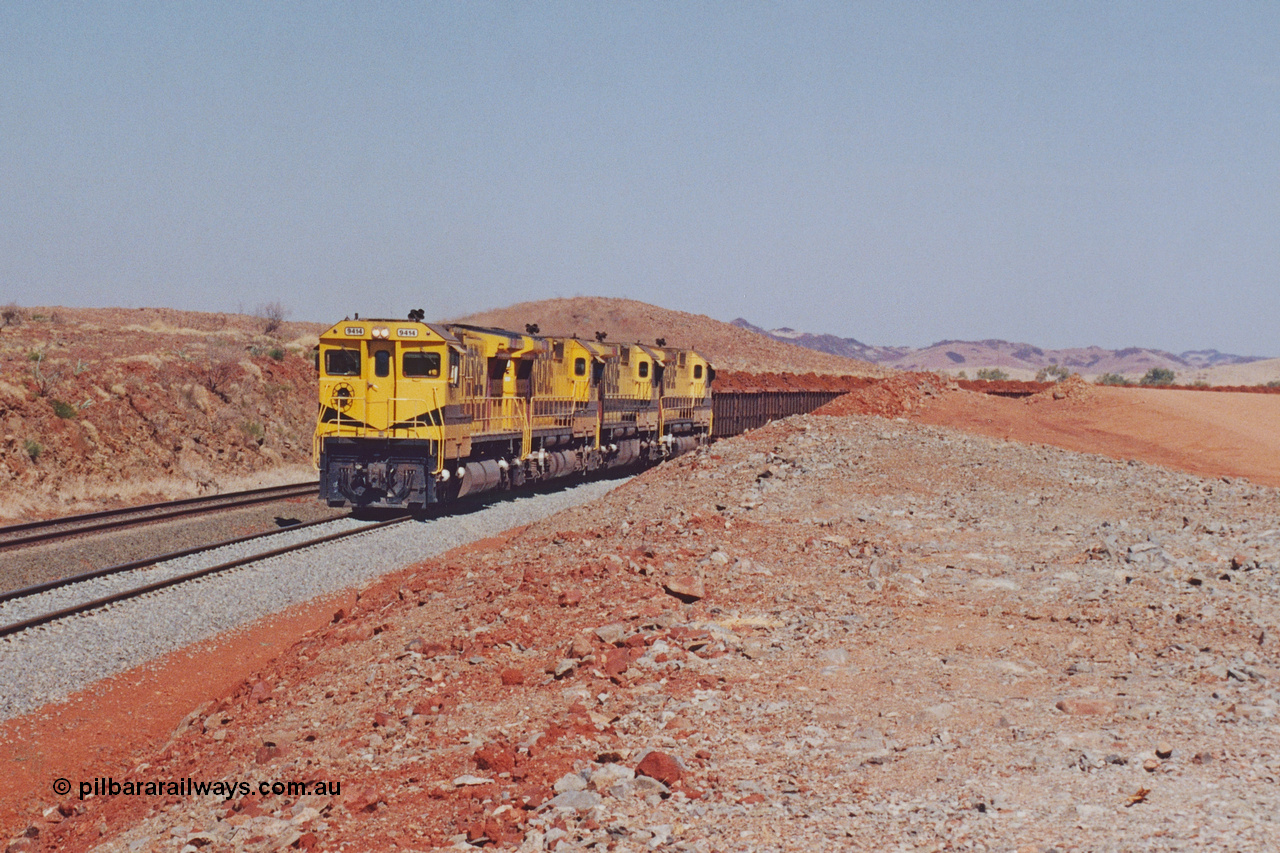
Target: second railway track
30	607
51	661
48	530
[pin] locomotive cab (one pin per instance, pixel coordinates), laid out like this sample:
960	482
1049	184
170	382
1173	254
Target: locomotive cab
686	399
381	433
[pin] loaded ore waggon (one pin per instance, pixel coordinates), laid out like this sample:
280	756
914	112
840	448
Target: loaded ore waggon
413	413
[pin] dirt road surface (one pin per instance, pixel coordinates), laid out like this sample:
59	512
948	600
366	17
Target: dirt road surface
1213	434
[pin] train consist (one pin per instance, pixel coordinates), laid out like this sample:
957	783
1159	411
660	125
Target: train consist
415	413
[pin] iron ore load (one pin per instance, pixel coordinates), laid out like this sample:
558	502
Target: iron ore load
415	413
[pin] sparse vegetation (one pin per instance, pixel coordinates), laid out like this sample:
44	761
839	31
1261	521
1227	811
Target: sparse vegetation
42	380
992	374
276	390
217	372
10	315
273	315
253	429
1158	376
1052	373
1274	383
1111	379
33	448
276	353
63	409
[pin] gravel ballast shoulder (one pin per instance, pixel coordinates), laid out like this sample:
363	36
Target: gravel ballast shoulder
49	662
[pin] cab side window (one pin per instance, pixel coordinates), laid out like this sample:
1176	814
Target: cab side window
643	370
342	362
580	367
419	365
697	371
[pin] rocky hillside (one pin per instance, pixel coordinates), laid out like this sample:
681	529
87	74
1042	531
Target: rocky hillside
116	406
728	347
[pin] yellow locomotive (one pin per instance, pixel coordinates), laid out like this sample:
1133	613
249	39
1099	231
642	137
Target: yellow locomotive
415	413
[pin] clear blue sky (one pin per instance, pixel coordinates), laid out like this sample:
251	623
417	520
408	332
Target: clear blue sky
1060	173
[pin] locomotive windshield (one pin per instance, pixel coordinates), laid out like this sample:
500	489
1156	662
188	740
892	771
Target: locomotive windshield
342	362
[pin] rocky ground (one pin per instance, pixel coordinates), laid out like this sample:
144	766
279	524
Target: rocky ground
837	632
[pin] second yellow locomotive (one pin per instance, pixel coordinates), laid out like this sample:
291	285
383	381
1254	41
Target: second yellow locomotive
415	413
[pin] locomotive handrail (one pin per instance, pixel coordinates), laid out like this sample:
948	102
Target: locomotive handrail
684	408
357	428
498	414
557	411
526	434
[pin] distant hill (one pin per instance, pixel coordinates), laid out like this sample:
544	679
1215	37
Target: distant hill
1019	360
728	347
844	347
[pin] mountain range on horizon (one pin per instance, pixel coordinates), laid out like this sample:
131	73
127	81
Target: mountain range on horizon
953	355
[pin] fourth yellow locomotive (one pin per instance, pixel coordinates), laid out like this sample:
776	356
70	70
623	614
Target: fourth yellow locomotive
415	413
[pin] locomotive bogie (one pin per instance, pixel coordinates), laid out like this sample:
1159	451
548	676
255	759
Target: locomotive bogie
413	413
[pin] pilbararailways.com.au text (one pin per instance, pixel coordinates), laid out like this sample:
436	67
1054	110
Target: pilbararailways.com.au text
188	787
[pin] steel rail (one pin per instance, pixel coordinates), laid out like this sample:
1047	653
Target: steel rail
94	522
56	583
124	595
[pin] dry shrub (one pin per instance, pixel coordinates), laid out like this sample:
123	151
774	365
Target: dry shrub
273	315
219	369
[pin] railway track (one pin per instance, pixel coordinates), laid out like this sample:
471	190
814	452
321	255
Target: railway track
37	532
153	577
